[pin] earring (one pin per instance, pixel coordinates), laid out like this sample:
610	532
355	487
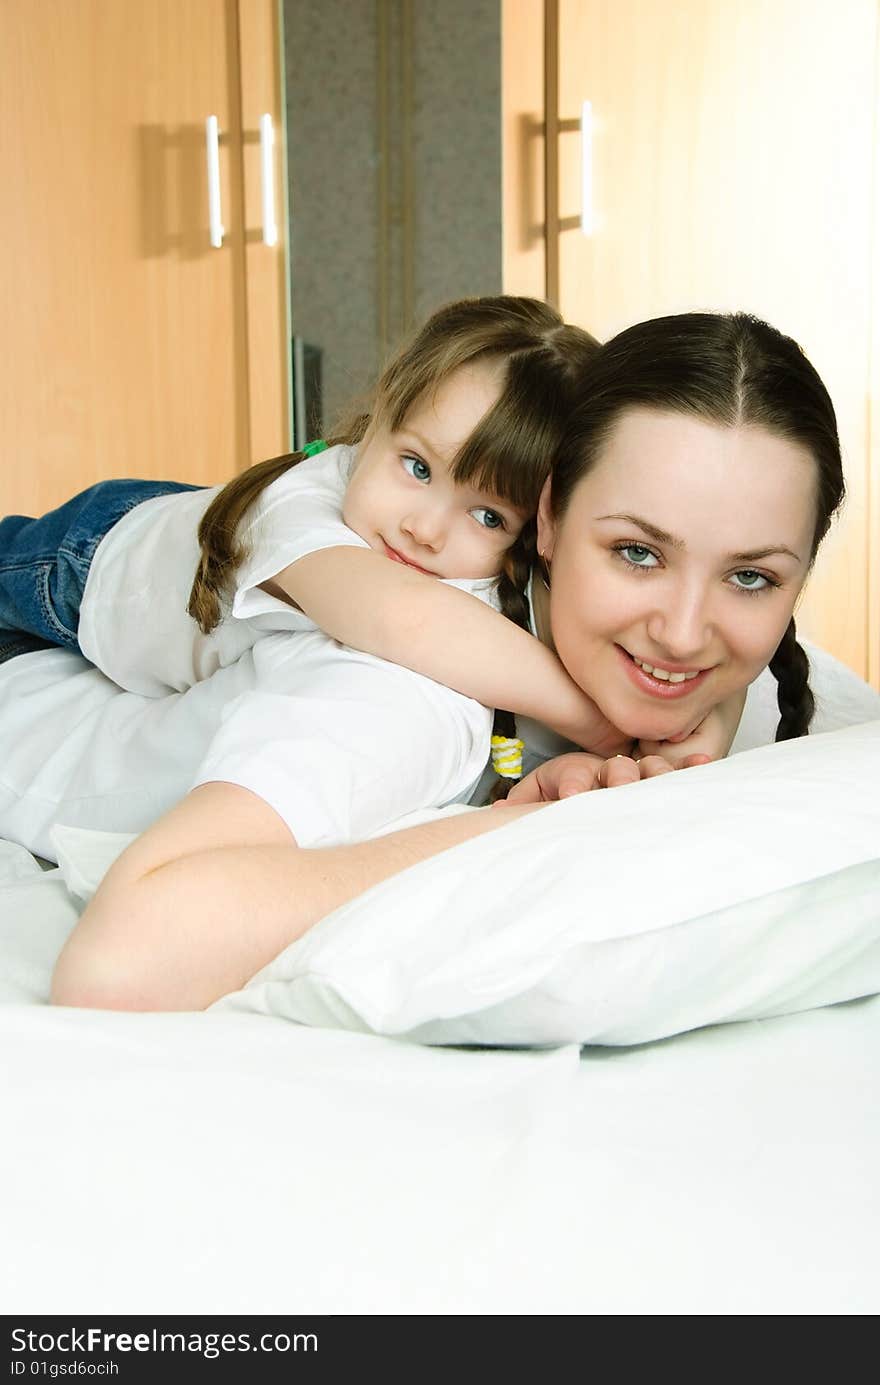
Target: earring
544	568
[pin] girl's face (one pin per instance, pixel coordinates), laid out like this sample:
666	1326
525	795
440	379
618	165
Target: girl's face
676	566
402	497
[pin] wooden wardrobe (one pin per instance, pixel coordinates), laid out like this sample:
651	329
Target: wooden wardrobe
662	155
131	344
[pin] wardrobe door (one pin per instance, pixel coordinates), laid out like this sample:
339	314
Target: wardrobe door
124	332
266	240
728	163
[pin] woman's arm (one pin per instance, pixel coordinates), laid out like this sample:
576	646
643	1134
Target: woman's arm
218	887
370	603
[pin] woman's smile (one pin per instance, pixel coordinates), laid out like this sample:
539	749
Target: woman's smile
665	682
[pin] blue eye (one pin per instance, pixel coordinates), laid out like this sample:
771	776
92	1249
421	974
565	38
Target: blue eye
751	581
490	519
416	468
637	555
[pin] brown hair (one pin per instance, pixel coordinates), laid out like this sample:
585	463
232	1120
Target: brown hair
509	453
730	369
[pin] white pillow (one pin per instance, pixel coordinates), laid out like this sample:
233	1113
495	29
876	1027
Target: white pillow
734	891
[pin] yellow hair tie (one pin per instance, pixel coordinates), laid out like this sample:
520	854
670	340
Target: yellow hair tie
507	757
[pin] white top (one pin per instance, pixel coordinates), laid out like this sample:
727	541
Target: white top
134	624
338	742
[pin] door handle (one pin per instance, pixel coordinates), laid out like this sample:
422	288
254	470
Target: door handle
212	147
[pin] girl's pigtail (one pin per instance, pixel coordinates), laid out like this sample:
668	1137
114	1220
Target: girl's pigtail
791	669
507	748
221	550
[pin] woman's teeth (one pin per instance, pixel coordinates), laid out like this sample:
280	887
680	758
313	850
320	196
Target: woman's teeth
663	675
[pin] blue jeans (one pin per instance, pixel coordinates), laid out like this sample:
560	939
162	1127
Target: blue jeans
44	563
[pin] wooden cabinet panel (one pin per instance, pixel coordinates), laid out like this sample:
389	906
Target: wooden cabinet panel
125	334
733	168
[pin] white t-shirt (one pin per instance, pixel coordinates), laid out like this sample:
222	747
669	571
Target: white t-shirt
134	624
338	742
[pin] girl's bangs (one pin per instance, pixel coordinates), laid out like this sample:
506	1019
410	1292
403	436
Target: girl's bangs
507	455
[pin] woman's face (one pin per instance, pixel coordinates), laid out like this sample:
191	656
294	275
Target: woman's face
676	566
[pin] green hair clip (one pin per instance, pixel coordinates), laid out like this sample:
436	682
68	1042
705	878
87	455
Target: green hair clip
312	449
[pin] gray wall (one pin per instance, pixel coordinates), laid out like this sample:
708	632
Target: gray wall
394	164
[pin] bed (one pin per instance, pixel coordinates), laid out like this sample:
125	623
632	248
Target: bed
244	1160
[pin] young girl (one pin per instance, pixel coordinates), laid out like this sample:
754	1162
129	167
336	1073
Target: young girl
441	479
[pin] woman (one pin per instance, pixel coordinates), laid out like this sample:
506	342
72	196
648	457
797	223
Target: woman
693	488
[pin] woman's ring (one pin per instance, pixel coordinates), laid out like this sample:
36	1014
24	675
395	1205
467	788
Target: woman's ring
618	756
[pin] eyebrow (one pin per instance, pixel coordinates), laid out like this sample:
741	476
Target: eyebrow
660	535
421	443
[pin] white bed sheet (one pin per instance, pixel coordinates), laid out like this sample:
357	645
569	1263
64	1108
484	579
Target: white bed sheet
226	1163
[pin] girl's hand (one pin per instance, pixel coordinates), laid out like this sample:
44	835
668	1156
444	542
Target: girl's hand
711	740
576	773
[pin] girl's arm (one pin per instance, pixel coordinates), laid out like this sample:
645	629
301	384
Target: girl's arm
218	887
370	603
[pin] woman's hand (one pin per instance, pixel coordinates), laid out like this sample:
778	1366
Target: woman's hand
575	773
711	740
578	773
